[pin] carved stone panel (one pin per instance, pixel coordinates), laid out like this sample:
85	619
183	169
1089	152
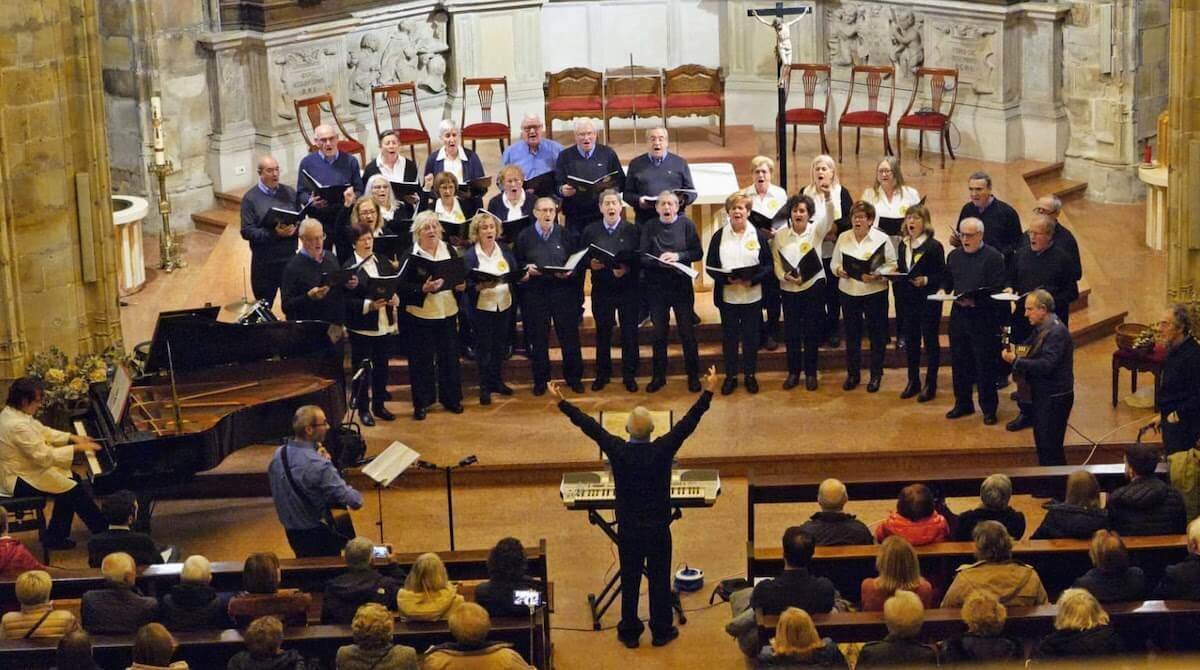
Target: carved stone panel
300	72
415	49
970	48
874	34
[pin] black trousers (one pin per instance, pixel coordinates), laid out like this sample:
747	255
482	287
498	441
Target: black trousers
923	320
557	300
313	542
378	350
803	326
78	500
434	371
975	355
772	303
610	306
265	279
1050	416
740	325
873	309
1018	333
673	293
649	550
491	331
833	301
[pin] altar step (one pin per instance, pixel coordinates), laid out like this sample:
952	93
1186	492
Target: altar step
226	213
1048	180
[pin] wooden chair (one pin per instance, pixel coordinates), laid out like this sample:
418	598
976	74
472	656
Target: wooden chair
940	81
312	109
694	90
810	115
392	97
486	129
632	90
572	93
874	76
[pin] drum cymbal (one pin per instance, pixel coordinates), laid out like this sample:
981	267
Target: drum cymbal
241	305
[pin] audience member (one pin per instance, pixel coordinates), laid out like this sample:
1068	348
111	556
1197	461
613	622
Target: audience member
75	652
264	641
798	645
262	595
903	615
118	608
983	642
373	649
1178	395
1184	468
831	526
14	557
428	594
1080	516
795	586
153	648
360	584
1081	628
506	568
1014	584
995	494
469	625
1146	505
898	570
193	604
1112	580
1181	581
37	617
121	510
914	518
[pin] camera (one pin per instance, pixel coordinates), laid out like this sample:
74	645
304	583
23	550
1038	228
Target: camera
527	597
381	552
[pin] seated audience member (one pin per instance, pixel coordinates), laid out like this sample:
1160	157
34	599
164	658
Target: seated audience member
428	594
153	648
75	652
118	608
983	642
795	586
1181	581
898	570
506	568
360	584
1184	469
798	645
264	648
914	518
121	509
1014	584
995	494
373	649
193	604
1146	505
1080	516
469	625
1112	580
37	617
831	526
262	595
14	557
903	615
1081	628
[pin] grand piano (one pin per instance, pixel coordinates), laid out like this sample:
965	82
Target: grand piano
209	388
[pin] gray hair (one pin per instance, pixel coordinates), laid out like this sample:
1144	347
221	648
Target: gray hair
996	491
1055	203
582	124
658	127
980	174
196	570
422	219
973	222
1043	299
530	116
831	495
1182	316
640	424
992	542
1044	223
446	125
358	552
118	568
308	224
303	418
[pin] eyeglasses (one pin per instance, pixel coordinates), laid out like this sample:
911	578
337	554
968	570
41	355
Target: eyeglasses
884	171
327	139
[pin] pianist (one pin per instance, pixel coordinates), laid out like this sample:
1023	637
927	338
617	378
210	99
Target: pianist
642	475
35	460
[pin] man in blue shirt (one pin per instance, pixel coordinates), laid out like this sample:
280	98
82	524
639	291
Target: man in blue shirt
330	167
535	154
305	483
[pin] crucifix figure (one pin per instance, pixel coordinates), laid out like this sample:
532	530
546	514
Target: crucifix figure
783	67
783	41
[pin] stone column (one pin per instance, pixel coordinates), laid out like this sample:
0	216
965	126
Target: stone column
1183	191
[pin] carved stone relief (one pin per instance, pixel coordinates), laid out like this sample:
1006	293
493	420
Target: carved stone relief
415	50
845	41
302	72
971	49
861	34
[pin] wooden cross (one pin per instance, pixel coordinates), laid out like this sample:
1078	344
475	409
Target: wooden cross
778	12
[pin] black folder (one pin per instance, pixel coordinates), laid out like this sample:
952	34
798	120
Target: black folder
541	185
454	229
382	288
475	188
807	268
391	246
913	271
570	265
765	222
403	188
746	272
857	267
417	269
593	186
607	257
478	275
513	227
338	277
332	193
278	216
682	193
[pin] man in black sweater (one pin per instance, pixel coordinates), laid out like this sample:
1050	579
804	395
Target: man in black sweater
1049	369
795	586
359	585
306	297
1049	207
272	242
614	289
671	239
641	470
121	509
586	160
656	171
1147	505
1001	222
831	526
1178	389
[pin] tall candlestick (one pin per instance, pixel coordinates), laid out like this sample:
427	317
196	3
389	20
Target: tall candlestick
156	120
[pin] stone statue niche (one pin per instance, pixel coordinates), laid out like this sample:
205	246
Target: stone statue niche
862	34
414	51
908	51
845	42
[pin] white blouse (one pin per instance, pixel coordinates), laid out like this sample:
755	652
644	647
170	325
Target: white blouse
514	209
796	245
847	245
769	203
894	207
819	216
455	214
395	173
382	328
439	305
452	165
738	251
499	298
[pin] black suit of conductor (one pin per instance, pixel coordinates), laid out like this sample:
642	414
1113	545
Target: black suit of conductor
642	475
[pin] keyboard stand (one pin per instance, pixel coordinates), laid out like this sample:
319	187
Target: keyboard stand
599	604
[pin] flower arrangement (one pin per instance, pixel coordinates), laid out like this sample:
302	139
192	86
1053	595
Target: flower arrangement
1145	340
66	381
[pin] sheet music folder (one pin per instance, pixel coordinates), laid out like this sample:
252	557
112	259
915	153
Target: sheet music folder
390	464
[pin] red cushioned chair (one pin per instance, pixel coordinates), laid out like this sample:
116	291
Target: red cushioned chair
629	91
392	97
940	81
572	93
695	90
874	77
486	128
811	76
312	109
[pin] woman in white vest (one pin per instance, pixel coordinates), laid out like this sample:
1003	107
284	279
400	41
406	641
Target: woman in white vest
823	174
796	250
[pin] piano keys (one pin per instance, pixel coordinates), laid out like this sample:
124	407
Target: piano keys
596	490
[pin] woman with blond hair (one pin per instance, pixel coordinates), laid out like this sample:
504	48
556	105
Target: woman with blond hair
37	617
824	184
798	645
428	594
898	569
922	257
1081	628
983	642
489	301
768	200
373	649
904	616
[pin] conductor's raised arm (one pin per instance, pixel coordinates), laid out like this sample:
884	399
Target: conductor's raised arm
587	424
680	431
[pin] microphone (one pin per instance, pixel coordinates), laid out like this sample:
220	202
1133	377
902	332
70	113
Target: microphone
426	465
469	460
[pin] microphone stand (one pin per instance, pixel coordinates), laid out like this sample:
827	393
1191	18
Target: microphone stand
449	471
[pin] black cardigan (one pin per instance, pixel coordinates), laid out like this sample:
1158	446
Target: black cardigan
355	319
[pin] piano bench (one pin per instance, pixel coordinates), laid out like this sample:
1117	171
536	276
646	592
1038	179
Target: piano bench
27	513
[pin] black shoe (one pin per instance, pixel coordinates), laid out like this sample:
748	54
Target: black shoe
833	342
728	385
598	384
419	414
695	319
665	638
694	384
655	385
770	344
911	390
956	412
810	383
576	387
631	385
751	383
630	642
539	390
1020	423
792	381
364	417
989	419
382	412
873	385
58	544
1002	382
851	383
901	343
502	389
485	398
385	395
927	394
469	353
508	352
456	408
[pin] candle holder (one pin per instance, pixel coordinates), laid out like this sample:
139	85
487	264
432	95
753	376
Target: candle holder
168	251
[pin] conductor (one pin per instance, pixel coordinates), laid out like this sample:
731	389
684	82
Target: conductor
642	473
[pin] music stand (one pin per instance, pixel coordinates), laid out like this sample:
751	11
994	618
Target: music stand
384	469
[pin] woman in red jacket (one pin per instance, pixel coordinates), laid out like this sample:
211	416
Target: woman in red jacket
914	519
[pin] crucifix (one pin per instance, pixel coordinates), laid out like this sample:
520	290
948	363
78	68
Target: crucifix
783	64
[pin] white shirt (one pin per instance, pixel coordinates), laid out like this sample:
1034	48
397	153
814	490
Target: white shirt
455	214
36	453
835	193
910	246
499	298
847	245
891	208
514	209
769	203
441	304
796	245
372	269
395	173
452	165
738	251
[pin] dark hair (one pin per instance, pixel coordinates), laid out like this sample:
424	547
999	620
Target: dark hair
385	133
260	574
75	651
915	502
865	207
798	547
118	507
1108	552
153	645
790	206
359	229
506	560
23	391
1142	459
